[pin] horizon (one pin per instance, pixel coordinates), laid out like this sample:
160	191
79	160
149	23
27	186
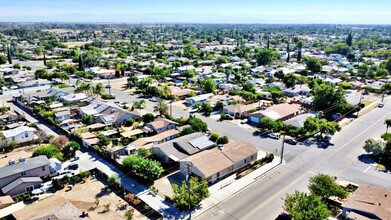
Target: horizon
202	11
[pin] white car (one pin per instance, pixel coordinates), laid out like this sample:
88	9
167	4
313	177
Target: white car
244	121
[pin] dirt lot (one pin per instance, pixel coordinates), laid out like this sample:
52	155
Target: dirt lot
76	44
25	152
82	196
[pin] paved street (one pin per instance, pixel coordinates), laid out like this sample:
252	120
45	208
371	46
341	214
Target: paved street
264	199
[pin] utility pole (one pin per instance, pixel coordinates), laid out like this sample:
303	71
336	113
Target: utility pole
283	145
108	81
188	187
172	99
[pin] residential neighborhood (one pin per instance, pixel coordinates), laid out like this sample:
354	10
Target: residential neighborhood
187	120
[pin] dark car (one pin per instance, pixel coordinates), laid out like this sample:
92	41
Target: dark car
73	166
291	141
108	86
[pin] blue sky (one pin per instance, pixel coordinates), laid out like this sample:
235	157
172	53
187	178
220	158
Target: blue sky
241	11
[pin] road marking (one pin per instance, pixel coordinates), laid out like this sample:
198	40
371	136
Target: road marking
273	197
359	135
369	167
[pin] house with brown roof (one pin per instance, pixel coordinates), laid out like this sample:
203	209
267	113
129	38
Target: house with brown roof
279	112
160	125
239	110
368	202
9	117
179	92
147	142
217	163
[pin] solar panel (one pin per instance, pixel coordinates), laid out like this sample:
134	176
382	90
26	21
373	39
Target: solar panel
201	143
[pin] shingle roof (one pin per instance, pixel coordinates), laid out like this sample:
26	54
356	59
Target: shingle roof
19	181
276	112
29	164
160	123
156	138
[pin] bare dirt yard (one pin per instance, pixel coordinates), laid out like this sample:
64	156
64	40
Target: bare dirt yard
83	196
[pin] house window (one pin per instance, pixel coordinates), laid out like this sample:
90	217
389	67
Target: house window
29	188
23	173
43	168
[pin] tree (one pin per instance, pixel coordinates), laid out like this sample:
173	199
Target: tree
81	64
198	125
265	56
303	206
99	89
70	149
299	46
328	127
59	141
103	140
49	150
132	81
145	168
222	140
161	107
198	192
129	214
327	97
209	85
324	186
311	124
139	104
206	108
376	147
279	74
290	79
113	180
44	59
214	136
313	64
3	60
148	117
87	119
387	122
349	39
288	51
9	56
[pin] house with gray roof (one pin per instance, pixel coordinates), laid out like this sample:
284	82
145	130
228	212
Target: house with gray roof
182	147
24	175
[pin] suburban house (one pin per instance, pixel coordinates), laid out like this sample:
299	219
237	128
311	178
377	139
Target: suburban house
368	202
200	99
298	120
89	139
24	175
279	112
44	95
182	147
179	92
147	142
296	91
9	117
75	97
239	110
107	113
220	162
62	114
20	134
160	125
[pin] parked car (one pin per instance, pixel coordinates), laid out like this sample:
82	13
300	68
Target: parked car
153	99
108	86
273	136
227	117
244	121
291	141
73	166
66	172
193	110
381	105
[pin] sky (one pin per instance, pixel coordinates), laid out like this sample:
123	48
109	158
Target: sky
199	11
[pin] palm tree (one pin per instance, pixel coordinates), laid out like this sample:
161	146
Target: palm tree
139	104
387	122
99	89
161	107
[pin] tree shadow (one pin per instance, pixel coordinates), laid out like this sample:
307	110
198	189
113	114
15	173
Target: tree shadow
104	191
366	158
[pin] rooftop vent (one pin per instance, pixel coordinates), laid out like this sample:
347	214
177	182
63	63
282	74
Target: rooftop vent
10	162
22	159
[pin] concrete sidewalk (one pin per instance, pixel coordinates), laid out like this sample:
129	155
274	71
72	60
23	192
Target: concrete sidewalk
90	160
11	209
228	187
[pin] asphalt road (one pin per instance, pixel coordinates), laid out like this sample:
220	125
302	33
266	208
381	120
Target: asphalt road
264	199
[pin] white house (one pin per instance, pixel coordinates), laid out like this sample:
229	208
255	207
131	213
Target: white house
199	99
20	134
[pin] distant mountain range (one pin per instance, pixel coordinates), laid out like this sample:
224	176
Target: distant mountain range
206	18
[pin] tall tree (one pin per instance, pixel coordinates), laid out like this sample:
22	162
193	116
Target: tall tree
99	89
9	56
299	46
387	122
44	58
209	85
349	39
325	186
376	147
303	206
328	98
161	107
81	64
289	55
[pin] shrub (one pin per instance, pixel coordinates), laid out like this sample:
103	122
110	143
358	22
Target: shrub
214	136
47	150
57	184
223	140
66	179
